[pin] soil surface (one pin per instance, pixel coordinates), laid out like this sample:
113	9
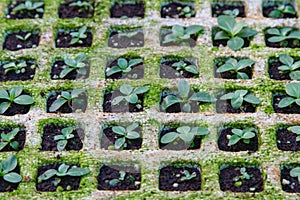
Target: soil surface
239	146
167	71
292	109
7	186
217	8
224	106
293	186
64	38
191	42
119	40
109	138
123	106
286	140
127	10
13	76
70	182
268	7
288	43
178	144
20	138
218	43
13	43
170	179
275	73
57	67
170	10
228	174
22	14
51	130
131	180
67	11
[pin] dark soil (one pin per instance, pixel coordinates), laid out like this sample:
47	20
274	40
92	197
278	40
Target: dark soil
116	40
292	109
7	186
224	106
217	8
123	106
108	173
178	144
289	43
293	186
170	176
22	14
13	76
127	10
66	181
228	174
218	43
67	11
12	43
109	138
230	74
191	42
57	67
51	130
167	71
286	140
269	6
136	72
170	10
177	107
20	138
64	38
79	104
240	146
275	73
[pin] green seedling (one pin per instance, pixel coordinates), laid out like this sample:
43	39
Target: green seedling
244	175
233	31
6	139
82	4
186	12
28	5
78	64
26	37
13	95
293	91
6	168
187	175
66	97
234	66
130	94
185	96
123	66
289	66
282	35
122	178
181	33
181	65
239	96
295	172
296	130
64	137
185	133
233	13
241	134
281	10
13	66
125	133
78	36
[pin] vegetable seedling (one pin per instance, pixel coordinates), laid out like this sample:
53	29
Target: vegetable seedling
282	35
6	139
13	95
125	133
78	64
293	92
186	11
114	182
233	31
281	10
289	66
234	66
123	66
13	66
244	175
181	65
6	168
28	5
239	96
241	134
130	94
233	13
26	37
77	36
296	130
64	137
187	175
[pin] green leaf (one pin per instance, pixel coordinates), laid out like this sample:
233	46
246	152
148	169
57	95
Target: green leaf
67	95
183	89
226	23
247	32
15	91
169	101
284	68
192	69
295	75
202	97
194	29
187	137
24	100
4	94
4	106
120	142
81	57
235	43
65	72
294	35
11	135
57	104
275	14
295	172
200	131
242	75
140	90
276	39
122	63
77	171
236	131
132	126
248	135
3	144
178	30
76	92
169	137
132	135
117	100
134	62
133	98
61	145
238	27
286	59
236	102
68	130
250	98
233	140
273	31
221	35
289	9
70	62
285	102
183	129
126	89
12	177
119	130
227	96
59	137
293	89
296	65
14	145
226	67
244	63
169	38
63	168
9	164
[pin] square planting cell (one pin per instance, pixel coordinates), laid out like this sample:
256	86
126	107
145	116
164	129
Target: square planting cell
24	9
17	70
279	9
282	37
21	40
177	10
285	67
126	38
76	8
287	138
127	9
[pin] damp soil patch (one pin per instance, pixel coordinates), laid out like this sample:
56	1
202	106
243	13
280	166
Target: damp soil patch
172	68
126	38
72	9
218	8
64	39
289	184
286	140
177	10
14	13
21	40
127	10
24	70
292	109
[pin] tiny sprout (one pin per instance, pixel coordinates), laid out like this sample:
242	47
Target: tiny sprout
26	37
241	134
187	175
28	5
186	12
114	182
123	66
125	133
12	66
181	65
130	94
71	64
234	66
180	33
66	97
7	139
281	10
64	137
77	36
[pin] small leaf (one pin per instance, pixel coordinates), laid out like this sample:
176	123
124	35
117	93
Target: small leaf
24	100
250	98
238	27
235	43
202	97
119	130
233	140
133	98
3	144
178	30
295	129
187	137
221	35
76	92
14	145
183	88
47	174
132	126
63	168
194	29
169	101
276	39
200	131
226	67
15	91
242	75
77	171
61	145
120	142
192	69
12	177
244	63
295	75
4	106
117	100
140	90
126	89
286	59
293	89
226	23
132	135
285	102
247	32
57	104
273	31
122	63
4	94
168	138
59	137
65	72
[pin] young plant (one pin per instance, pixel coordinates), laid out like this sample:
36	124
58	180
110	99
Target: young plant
234	66
282	35
77	36
122	178
185	133
281	10
7	139
295	172
77	64
185	96
296	130
82	4
186	12
181	33
64	137
123	66
26	37
187	175
289	66
66	97
239	96
13	66
233	31
241	134
244	175
63	170
125	133
28	5
181	65
6	168
293	91
233	13
13	95
130	94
